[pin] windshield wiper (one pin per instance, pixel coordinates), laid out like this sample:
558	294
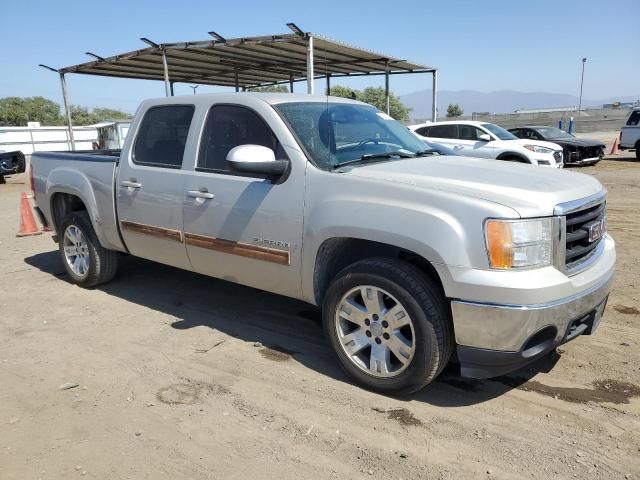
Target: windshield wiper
375	156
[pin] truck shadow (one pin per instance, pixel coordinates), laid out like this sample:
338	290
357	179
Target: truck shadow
286	328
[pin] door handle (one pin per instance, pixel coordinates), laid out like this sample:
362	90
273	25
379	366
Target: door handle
458	147
202	193
130	183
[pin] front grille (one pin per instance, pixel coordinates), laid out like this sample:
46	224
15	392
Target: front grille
578	245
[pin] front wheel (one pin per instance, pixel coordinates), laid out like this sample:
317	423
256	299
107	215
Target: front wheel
388	324
85	260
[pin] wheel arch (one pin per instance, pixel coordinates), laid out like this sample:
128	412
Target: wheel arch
335	254
513	156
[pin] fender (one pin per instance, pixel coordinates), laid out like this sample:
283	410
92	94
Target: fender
76	182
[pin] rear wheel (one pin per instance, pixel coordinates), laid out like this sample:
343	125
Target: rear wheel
85	260
388	325
638	151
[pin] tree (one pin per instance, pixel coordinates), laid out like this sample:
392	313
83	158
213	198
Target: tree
375	96
271	88
102	114
454	110
17	111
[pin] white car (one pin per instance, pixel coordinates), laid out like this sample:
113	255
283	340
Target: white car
486	140
630	133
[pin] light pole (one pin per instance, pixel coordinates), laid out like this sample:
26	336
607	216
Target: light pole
584	60
194	88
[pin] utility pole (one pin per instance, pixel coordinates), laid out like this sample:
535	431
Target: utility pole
194	88
584	60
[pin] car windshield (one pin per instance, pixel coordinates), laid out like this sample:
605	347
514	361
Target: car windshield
335	134
499	132
552	133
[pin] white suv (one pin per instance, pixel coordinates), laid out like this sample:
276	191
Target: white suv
486	140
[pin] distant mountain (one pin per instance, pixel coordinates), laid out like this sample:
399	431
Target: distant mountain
503	101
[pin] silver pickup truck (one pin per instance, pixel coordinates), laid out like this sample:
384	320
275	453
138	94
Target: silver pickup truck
416	258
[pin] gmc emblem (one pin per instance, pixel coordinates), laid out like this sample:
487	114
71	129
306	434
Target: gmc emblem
596	230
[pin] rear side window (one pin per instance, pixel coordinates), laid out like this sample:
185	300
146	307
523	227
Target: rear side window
443	131
424	131
163	135
634	119
228	126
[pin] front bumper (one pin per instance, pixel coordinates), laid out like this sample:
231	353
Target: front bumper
552	324
498	337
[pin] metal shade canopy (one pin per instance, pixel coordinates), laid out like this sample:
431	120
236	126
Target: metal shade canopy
249	62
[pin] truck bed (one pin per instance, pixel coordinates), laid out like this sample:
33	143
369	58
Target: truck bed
89	175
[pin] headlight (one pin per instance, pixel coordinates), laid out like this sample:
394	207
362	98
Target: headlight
519	243
537	149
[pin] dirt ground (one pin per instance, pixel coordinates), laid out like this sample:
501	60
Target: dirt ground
184	377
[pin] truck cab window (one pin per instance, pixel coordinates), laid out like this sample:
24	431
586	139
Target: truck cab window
228	126
162	136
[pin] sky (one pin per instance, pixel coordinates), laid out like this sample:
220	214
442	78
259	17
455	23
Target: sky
532	45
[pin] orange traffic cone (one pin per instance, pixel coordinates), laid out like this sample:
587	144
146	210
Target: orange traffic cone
614	148
27	221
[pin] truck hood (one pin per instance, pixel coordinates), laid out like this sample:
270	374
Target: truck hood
531	191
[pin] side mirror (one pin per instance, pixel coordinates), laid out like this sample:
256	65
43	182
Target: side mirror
256	159
485	137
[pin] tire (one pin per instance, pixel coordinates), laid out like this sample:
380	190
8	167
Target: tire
92	264
638	151
426	343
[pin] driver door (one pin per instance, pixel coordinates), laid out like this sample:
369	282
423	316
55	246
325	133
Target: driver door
240	227
472	146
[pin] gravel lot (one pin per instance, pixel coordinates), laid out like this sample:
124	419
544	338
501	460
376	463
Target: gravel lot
182	376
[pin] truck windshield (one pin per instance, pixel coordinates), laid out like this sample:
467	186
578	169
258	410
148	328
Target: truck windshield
334	134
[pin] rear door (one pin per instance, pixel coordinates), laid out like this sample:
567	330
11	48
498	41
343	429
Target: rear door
150	185
446	135
239	227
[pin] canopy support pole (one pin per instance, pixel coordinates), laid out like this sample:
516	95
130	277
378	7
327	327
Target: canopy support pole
386	87
434	95
290	83
171	88
328	84
167	88
310	72
65	100
235	73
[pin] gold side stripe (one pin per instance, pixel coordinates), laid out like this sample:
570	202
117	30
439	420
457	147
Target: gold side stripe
154	231
236	248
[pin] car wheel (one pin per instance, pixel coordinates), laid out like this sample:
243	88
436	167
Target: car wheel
388	324
85	260
638	151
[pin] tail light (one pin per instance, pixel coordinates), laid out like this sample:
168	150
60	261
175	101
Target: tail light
31	181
